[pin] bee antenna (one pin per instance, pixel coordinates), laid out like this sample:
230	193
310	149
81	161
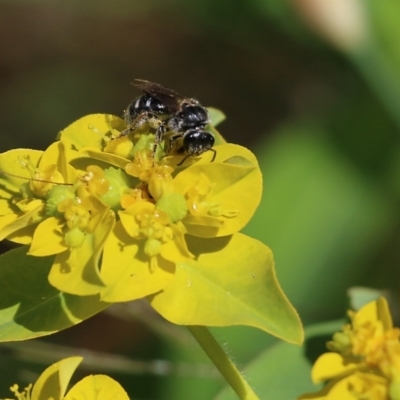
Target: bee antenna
34	179
183	160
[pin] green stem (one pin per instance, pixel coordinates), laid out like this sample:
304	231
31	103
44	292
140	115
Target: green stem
223	363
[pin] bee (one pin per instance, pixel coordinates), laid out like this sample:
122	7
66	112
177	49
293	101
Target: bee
173	116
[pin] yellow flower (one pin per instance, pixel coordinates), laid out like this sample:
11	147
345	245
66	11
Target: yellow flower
176	240
365	363
125	223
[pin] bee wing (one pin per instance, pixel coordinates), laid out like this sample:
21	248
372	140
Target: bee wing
168	97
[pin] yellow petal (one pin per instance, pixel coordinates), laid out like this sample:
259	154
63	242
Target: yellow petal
128	217
227	153
176	250
337	389
235	191
76	271
375	311
48	238
97	387
73	272
54	381
88	131
126	270
13	223
55	154
11	162
108	158
5	221
6	207
231	281
23	236
331	365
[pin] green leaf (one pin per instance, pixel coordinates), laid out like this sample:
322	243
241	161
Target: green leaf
97	387
29	306
53	382
216	116
232	282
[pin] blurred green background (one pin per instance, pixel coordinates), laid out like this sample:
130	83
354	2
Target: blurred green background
313	88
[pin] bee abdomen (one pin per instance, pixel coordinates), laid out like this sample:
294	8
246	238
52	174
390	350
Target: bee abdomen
143	104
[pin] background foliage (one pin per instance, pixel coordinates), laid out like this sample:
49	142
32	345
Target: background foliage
321	112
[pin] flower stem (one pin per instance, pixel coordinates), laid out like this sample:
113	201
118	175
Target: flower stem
223	363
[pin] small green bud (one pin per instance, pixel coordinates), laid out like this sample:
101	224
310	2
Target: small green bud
174	205
340	343
26	191
145	142
118	182
152	247
56	195
74	238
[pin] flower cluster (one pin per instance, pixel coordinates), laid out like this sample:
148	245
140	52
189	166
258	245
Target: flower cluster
365	360
122	221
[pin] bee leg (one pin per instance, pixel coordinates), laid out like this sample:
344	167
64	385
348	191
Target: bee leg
160	133
125	132
183	160
214	155
159	136
129	119
172	140
134	123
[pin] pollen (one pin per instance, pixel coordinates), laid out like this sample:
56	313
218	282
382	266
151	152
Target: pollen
120	146
135	195
367	386
152	225
141	166
161	182
76	214
367	340
95	181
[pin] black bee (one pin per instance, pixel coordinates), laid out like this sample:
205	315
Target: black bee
173	115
